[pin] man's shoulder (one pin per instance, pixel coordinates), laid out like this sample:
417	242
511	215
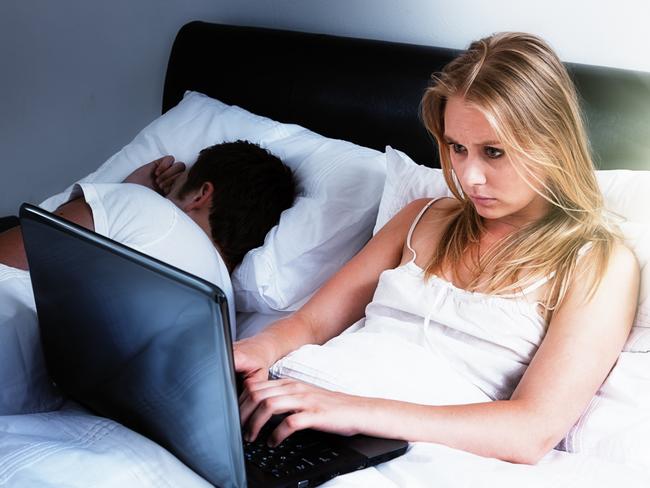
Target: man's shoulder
131	199
134	191
125	211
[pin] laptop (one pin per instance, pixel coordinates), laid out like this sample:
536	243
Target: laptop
148	345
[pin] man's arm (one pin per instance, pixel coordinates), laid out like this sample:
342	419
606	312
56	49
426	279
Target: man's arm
158	175
12	250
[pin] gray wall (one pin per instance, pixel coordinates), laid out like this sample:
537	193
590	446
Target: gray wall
79	78
603	32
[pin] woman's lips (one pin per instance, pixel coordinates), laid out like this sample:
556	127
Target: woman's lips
481	200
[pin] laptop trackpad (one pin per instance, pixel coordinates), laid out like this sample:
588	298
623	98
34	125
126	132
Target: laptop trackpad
375	449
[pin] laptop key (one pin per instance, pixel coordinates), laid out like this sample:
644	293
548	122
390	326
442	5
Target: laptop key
295	456
307	461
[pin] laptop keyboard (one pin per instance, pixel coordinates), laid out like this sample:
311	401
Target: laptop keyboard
298	453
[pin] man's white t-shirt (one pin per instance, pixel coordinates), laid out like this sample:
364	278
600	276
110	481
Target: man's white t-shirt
132	215
147	222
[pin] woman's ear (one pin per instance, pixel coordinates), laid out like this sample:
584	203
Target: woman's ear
199	199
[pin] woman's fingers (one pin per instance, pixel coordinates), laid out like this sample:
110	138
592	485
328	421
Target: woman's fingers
249	382
290	424
272	405
308	406
249	366
257	393
252	379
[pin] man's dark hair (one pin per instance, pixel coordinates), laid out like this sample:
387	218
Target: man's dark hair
251	189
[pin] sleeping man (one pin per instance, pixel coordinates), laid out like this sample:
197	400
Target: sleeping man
202	220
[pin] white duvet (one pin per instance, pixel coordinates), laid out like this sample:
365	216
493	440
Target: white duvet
69	447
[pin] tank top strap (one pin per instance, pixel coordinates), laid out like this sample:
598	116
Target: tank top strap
415	222
542	281
535	285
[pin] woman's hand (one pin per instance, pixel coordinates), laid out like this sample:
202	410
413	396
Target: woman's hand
253	357
159	175
308	407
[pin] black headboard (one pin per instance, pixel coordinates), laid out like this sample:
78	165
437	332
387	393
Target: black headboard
368	92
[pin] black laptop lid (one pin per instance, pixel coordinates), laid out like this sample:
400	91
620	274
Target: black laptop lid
137	340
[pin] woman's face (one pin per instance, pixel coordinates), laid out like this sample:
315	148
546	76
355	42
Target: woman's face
485	171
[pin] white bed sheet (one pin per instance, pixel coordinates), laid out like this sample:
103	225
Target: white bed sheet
72	448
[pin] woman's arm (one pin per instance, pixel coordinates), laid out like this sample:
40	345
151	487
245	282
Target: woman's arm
338	304
582	344
12	250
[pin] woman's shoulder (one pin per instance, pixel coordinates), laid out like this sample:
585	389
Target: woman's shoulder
421	209
620	270
444	203
437	211
424	221
622	259
433	205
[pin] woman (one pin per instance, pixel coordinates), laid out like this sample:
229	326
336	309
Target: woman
524	245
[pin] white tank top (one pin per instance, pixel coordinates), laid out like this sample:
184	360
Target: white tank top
488	339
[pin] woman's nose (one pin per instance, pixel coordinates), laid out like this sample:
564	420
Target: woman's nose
474	173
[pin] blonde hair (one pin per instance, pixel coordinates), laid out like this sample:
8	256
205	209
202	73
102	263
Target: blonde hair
518	83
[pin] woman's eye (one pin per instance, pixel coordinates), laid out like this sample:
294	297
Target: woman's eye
457	148
493	152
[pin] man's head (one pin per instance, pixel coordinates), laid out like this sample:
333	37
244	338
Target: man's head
238	190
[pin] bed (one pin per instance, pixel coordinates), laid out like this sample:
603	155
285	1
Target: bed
316	98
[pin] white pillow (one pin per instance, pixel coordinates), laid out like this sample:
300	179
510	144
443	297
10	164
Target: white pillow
340	186
407	181
612	425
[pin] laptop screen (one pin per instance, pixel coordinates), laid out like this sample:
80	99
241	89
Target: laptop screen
137	340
